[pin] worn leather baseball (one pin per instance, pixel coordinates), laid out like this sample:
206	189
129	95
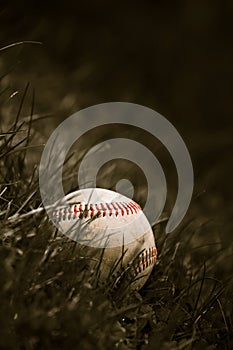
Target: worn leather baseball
112	232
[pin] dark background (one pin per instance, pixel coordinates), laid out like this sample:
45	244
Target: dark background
175	57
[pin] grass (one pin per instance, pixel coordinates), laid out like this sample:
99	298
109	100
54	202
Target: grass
50	300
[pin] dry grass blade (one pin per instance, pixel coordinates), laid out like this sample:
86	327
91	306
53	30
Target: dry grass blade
200	291
20	106
19	43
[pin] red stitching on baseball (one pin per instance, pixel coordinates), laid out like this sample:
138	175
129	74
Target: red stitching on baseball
86	211
103	209
92	210
80	211
98	210
145	259
116	209
109	208
120	207
75	210
125	207
133	206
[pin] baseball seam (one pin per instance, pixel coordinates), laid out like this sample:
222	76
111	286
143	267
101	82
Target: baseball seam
145	259
81	211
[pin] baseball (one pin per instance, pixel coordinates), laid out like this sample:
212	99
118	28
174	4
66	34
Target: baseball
112	232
